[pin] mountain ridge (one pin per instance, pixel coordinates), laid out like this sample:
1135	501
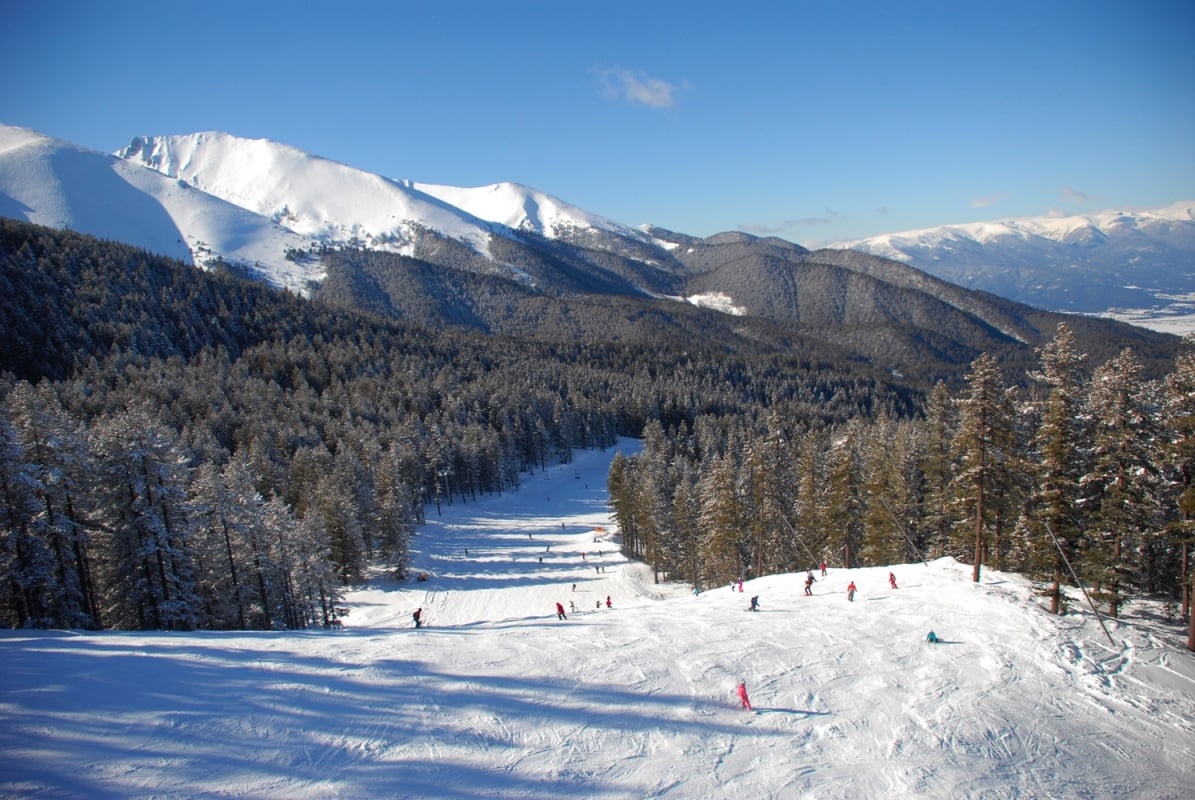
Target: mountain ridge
1110	262
292	213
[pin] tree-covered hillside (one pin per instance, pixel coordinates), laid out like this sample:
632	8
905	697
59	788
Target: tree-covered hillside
186	449
1086	475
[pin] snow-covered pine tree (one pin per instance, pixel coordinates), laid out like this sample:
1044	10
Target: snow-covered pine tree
1177	455
722	541
1121	491
142	505
982	448
1052	521
57	448
937	469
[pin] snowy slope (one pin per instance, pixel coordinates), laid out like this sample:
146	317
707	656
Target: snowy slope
522	208
55	183
498	698
313	196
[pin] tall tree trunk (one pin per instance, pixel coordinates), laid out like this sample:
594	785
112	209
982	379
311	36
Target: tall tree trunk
1186	582
1056	593
979	517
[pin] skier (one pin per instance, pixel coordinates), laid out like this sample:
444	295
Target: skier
809	584
754	603
572	606
823	569
608	603
743	695
850	592
418	617
892	579
560	612
740	584
932	638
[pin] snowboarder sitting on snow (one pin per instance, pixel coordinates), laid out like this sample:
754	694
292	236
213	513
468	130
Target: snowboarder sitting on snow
743	695
932	638
418	617
755	603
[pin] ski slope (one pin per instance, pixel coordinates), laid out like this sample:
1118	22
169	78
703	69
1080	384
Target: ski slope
495	697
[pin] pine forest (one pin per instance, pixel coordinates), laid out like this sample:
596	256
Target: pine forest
182	449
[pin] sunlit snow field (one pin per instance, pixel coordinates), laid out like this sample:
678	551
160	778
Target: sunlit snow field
498	698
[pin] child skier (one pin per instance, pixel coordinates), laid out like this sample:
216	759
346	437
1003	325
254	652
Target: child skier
743	696
892	579
850	592
809	584
754	603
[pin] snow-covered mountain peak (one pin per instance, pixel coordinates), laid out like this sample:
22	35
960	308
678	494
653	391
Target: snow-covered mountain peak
52	182
1134	265
12	138
521	207
310	195
1054	228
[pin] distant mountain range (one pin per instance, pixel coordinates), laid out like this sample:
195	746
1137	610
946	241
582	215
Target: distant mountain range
508	258
1138	266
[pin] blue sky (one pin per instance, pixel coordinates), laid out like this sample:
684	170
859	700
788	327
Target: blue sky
815	121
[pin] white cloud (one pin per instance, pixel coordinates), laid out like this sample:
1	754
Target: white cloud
1074	195
637	87
990	200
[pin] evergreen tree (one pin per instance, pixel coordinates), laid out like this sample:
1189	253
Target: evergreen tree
937	469
884	491
26	564
57	450
982	448
809	527
768	493
151	580
1052	527
842	504
1120	492
722	548
1177	454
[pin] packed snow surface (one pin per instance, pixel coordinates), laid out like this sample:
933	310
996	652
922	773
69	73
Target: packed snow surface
496	697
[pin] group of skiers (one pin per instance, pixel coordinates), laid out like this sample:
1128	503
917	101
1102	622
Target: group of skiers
573	606
851	589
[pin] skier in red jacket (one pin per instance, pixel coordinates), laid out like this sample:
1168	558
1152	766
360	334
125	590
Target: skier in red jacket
892	579
560	612
850	592
743	695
